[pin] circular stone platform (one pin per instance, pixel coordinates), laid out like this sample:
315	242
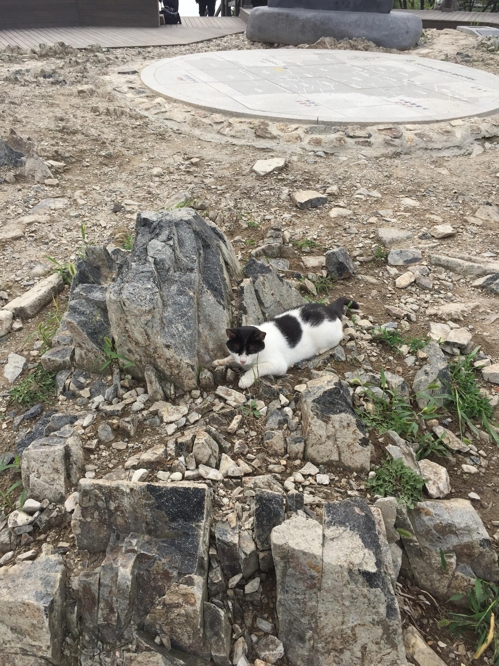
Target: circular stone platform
323	86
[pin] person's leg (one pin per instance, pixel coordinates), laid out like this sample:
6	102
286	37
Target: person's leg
211	7
202	7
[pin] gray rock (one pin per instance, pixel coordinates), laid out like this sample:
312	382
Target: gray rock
451	441
401	449
29	304
205	449
308	198
264	167
436	371
388	508
88	324
154	389
105	433
51	465
218	633
10	157
31	612
270	296
274	443
269	512
417	649
14	367
488	282
398	384
119	507
491	373
404	257
335	596
8	540
442	231
332	431
248	555
454	528
36	168
57	359
467	268
307	26
171	302
339	264
437	479
227	543
6	319
269	649
206	379
372	6
392	236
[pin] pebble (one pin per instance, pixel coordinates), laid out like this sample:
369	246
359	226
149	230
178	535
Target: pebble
308	199
309	469
469	469
72	502
405	280
210	473
322	479
5	559
19	519
119	446
140	475
31	506
29	555
14	367
176	476
474	496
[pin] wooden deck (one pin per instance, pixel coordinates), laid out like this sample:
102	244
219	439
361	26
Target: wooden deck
434	18
193	29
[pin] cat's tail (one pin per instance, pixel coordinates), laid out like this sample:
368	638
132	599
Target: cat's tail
338	306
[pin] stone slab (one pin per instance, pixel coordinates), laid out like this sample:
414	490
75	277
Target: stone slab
326	86
371	6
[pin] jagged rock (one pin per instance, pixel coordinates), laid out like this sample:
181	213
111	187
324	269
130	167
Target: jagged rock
274	443
269	649
9	156
14	367
453	310
442	231
398	384
57	359
459	337
437	479
270	293
269	512
8	540
404	280
227	542
51	465
417	649
308	199
335	597
120	507
6	319
435	371
154	389
454	528
36	168
218	633
248	555
264	167
339	265
451	441
391	236
488	282
331	429
205	449
491	373
171	302
88	324
31	612
30	303
388	508
401	449
404	257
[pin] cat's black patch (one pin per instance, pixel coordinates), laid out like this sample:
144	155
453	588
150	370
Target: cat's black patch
315	314
245	339
337	307
291	329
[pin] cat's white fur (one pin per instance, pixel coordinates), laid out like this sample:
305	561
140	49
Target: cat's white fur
278	356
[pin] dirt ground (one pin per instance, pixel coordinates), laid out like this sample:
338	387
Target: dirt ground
105	133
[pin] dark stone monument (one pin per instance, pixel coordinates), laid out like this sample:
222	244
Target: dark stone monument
306	21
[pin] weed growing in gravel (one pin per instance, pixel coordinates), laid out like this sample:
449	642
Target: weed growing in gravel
467	400
128	242
110	355
305	244
6	496
390	410
324	285
47	329
380	254
394	479
66	269
483	602
395	339
251	410
38	386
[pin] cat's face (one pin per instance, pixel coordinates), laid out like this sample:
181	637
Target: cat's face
245	343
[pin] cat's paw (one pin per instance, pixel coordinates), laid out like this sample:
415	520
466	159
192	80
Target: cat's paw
219	362
246	380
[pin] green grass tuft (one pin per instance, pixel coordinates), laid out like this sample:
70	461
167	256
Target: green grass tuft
38	386
394	479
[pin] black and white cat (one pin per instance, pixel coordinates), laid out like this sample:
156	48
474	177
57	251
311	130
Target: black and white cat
296	335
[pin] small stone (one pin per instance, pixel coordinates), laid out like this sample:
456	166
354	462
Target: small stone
173	413
392	236
340	212
72	502
119	446
412	203
252	587
105	433
176	476
264	167
451	441
474	496
140	475
405	280
322	479
231	395
6	558
264	625
404	257
491	373
309	469
339	265
308	199
459	337
469	469
18	519
436	477
6	319
270	649
31	506
234	581
210	473
23	557
14	367
442	231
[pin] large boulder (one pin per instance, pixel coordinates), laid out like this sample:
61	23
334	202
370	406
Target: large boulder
31	612
171	302
333	433
454	530
335	598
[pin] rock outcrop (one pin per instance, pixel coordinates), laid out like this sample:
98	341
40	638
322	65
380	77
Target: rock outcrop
171	302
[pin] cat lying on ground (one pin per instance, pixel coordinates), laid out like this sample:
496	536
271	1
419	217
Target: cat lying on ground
296	335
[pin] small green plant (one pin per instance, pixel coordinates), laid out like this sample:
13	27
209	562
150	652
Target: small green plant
251	409
47	329
66	269
111	355
483	602
6	496
306	244
467	400
38	386
394	479
431	447
250	241
128	242
380	254
322	301
395	339
188	203
324	284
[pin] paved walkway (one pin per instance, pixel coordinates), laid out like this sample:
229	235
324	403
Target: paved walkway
326	86
193	29
434	18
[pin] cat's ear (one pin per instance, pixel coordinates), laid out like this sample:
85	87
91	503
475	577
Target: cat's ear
231	334
259	336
